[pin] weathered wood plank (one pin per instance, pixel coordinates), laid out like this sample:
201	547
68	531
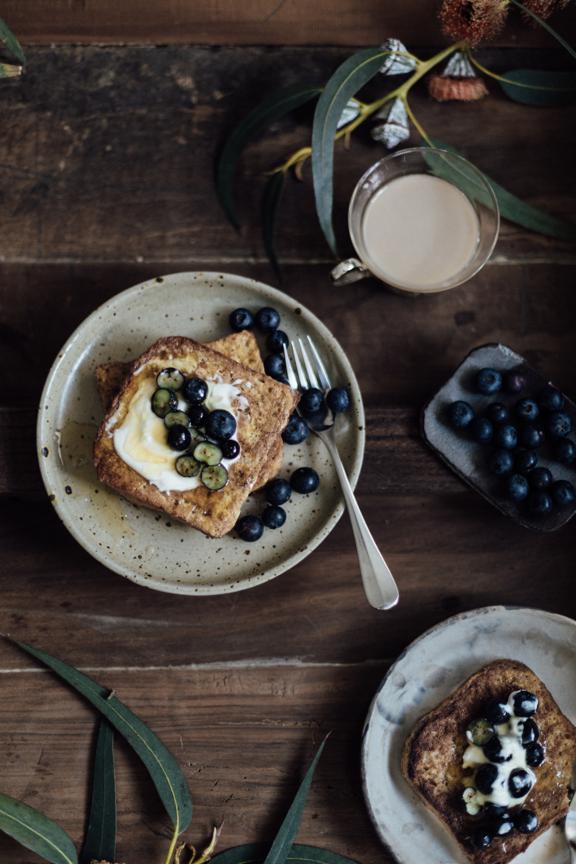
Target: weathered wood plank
269	22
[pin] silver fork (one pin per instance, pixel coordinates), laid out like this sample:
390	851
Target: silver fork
379	585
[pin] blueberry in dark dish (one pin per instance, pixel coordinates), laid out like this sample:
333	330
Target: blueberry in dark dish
230	449
179	438
460	414
311	401
503	825
273	516
338	400
250	528
540	478
519	783
514	382
534	754
525	460
195	390
501	463
275	366
531	436
304	480
170	378
551	399
220	425
486	777
563	493
278	491
197	414
524	703
497	413
241	319
488	381
276	341
527	409
558	424
530	731
496	712
494	751
295	430
565	451
516	487
482	430
526	821
540	503
506	436
481	838
267	319
163	401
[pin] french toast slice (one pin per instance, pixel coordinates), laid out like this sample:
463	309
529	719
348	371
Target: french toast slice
267	405
433	754
241	347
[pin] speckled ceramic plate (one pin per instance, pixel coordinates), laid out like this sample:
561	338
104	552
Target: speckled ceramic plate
139	543
425	674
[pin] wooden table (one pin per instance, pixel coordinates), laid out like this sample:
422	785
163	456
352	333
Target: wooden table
106	160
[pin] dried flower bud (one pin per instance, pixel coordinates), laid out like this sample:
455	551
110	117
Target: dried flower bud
399	61
443	88
543	8
473	20
396	127
350	113
459	66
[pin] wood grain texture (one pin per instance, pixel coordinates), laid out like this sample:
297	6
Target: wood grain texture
221	22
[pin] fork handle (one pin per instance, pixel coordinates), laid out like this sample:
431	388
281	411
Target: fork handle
379	585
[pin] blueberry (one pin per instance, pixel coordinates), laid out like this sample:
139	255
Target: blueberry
526	409
275	366
514	382
516	487
250	528
551	399
534	754
267	319
276	341
524	703
179	438
273	516
486	777
519	783
496	712
530	731
558	424
295	431
503	825
525	460
220	425
488	381
565	451
494	752
501	462
195	390
230	449
338	400
526	821
497	413
563	493
482	430
481	838
197	414
278	491
460	414
493	810
506	436
531	436
241	319
311	401
540	478
540	504
304	480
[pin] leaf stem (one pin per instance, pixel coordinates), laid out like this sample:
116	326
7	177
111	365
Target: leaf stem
566	45
421	131
505	80
173	844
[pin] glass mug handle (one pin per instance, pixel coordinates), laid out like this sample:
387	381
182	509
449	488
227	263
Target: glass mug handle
348	271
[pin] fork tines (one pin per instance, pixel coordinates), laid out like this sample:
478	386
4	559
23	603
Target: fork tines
308	373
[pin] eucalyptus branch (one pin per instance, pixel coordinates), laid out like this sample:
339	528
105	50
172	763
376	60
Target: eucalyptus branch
420	129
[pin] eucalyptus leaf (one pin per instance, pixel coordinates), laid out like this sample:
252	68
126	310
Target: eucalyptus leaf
11	42
540	87
36	832
511	207
271	198
277	105
254	853
348	79
100	841
162	766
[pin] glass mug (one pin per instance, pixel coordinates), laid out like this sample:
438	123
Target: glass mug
421	220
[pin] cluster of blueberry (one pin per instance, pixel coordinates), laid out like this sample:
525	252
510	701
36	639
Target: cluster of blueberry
277	492
518	433
202	437
500	820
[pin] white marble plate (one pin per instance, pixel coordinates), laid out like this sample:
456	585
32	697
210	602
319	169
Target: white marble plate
138	543
425	674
